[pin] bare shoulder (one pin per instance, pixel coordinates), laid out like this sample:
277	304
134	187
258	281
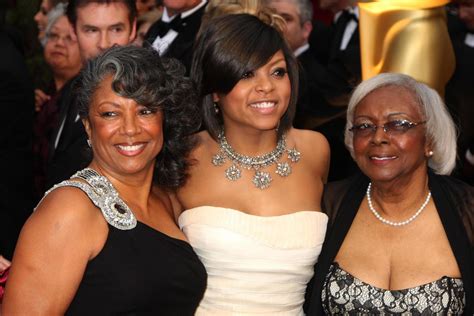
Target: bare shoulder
63	234
314	149
67	203
204	143
309	142
66	213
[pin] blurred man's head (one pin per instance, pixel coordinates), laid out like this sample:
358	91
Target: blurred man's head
144	6
335	5
466	13
298	15
177	6
101	24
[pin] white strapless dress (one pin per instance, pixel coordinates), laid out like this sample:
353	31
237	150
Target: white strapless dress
256	265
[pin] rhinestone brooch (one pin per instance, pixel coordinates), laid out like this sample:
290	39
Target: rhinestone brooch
103	194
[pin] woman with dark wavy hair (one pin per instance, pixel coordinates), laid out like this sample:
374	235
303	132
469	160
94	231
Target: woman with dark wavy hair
106	242
251	206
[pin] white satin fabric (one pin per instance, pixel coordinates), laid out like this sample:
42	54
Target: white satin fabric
256	265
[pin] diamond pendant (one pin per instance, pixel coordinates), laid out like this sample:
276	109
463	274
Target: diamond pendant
218	160
233	173
294	155
283	169
262	179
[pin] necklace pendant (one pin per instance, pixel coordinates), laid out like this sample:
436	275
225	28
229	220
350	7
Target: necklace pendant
283	169
262	179
294	155
218	160
233	173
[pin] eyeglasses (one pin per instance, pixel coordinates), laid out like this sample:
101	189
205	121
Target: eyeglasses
54	37
395	127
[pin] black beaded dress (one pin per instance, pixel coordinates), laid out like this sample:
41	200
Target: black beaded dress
139	271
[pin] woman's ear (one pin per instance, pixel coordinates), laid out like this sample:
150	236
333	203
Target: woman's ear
87	127
215	97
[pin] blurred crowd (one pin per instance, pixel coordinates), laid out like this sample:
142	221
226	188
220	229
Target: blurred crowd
43	140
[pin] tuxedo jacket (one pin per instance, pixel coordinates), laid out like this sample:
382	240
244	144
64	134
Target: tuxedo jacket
459	90
344	66
71	154
182	46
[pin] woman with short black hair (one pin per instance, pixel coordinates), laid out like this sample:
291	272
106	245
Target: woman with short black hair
250	208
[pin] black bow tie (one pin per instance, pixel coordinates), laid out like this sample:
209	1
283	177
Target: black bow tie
347	16
164	27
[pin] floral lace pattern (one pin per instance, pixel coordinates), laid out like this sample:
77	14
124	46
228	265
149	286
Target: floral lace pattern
344	294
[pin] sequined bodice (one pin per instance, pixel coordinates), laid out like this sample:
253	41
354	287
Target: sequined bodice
344	294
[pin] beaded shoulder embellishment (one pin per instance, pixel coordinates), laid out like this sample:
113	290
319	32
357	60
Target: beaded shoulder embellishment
103	194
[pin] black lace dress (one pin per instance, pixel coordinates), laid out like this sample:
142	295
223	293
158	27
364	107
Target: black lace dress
345	294
334	291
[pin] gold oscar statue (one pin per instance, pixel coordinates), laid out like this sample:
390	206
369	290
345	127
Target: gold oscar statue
406	36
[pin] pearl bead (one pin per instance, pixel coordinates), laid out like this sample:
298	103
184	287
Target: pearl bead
396	224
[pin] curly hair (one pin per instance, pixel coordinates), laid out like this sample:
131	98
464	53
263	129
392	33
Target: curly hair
232	45
141	75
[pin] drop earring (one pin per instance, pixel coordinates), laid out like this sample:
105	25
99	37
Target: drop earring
89	143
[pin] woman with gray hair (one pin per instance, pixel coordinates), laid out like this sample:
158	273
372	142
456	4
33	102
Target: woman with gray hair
400	235
106	242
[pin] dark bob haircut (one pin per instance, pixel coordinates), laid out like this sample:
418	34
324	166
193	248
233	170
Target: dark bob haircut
140	74
230	46
73	5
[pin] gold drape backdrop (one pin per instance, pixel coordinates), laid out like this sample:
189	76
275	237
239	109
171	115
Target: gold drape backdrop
406	36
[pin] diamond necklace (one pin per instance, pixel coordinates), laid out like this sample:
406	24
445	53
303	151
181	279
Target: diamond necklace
386	221
261	179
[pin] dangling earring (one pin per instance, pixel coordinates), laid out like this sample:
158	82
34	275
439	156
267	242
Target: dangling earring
89	142
216	108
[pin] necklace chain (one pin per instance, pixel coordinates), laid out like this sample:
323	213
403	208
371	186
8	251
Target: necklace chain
261	179
388	222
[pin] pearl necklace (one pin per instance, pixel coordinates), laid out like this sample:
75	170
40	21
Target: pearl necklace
386	221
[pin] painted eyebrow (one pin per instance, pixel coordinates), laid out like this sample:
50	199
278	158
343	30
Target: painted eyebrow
115	105
388	116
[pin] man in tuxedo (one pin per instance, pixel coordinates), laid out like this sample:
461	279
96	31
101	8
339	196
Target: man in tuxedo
98	25
173	35
311	104
337	48
343	48
459	90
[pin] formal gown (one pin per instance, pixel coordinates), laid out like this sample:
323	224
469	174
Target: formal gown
139	271
255	264
345	294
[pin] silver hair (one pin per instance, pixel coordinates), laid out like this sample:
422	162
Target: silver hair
440	128
305	9
53	16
